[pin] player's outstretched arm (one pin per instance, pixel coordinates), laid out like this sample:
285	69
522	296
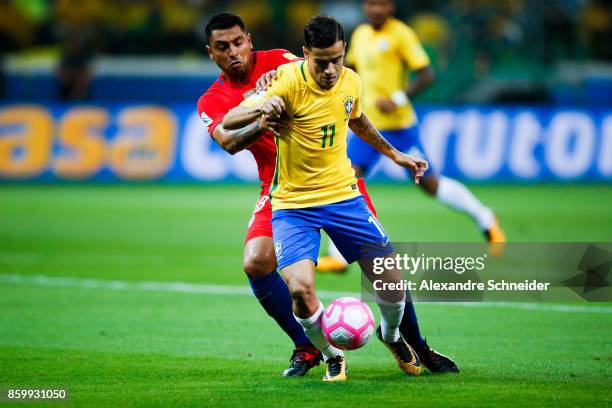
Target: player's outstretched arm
368	133
235	140
241	116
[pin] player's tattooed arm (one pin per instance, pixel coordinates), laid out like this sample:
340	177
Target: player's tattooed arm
241	116
368	133
235	140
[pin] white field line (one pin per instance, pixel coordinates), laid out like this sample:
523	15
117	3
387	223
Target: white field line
183	287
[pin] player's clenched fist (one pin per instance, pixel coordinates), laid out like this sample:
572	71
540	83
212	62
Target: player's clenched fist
273	107
273	125
417	165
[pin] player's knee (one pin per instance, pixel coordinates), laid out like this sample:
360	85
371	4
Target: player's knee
257	265
429	185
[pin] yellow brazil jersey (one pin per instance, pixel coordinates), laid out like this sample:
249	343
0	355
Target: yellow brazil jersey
312	167
384	58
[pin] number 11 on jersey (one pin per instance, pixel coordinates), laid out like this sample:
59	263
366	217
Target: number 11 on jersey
328	130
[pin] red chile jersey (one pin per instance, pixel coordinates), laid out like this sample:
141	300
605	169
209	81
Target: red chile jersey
224	95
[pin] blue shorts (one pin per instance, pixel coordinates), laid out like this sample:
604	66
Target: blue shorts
405	140
350	224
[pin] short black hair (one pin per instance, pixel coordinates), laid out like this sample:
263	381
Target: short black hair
322	31
222	21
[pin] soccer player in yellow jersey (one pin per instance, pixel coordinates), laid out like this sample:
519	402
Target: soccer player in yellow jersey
384	52
314	186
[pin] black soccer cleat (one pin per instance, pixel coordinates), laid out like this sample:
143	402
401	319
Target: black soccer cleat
407	359
302	360
435	362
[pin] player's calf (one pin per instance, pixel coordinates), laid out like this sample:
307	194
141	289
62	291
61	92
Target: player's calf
300	279
305	301
273	295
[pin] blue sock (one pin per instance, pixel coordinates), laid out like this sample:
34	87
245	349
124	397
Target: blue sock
273	294
409	326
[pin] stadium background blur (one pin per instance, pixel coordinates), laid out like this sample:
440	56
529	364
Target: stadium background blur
121	223
545	51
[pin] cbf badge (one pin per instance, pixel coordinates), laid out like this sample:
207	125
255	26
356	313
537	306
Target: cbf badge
278	249
349	102
383	44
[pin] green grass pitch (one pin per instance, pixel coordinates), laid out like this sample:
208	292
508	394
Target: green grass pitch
128	346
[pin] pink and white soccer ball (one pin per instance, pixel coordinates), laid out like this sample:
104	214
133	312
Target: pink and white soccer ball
348	323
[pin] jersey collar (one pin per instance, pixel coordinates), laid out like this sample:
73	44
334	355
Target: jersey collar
384	27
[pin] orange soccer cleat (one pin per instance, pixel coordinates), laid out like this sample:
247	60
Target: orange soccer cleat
329	264
496	238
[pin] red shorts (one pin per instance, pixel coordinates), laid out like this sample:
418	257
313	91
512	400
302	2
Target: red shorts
260	224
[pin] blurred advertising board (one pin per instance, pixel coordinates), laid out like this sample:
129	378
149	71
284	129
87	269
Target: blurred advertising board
116	143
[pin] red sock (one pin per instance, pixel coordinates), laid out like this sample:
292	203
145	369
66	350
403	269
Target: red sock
366	196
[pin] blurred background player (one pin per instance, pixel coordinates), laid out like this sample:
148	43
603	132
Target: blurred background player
384	52
230	46
74	72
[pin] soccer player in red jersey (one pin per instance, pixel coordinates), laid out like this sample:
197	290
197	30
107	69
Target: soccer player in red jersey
230	46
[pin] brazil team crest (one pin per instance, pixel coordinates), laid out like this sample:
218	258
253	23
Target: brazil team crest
349	102
278	249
